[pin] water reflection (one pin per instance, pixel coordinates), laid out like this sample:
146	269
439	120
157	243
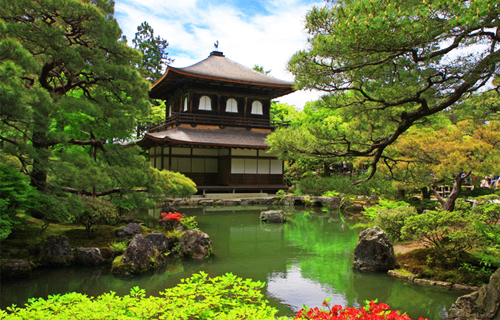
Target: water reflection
304	261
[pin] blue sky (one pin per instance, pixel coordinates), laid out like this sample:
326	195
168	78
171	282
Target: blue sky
266	33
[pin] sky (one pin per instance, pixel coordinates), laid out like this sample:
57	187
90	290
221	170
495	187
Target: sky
264	33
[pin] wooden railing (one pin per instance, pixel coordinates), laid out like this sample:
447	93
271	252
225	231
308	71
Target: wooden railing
195	119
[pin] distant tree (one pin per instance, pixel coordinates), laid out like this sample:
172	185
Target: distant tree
154	62
445	156
154	52
399	61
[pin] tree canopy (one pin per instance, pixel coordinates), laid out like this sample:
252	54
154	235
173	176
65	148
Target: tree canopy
388	65
70	93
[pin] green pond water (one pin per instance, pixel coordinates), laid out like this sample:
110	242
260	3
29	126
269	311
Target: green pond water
303	261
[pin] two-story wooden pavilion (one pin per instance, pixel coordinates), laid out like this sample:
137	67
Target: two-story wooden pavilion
217	120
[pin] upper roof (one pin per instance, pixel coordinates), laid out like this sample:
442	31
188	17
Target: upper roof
219	69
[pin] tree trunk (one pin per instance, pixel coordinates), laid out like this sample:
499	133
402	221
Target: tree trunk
400	194
426	194
39	172
449	203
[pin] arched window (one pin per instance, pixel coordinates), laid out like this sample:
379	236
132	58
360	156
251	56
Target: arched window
231	105
205	103
185	104
257	107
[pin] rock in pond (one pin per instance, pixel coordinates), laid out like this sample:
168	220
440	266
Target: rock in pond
128	231
167	207
56	252
374	251
141	256
88	256
159	240
479	305
195	244
15	268
273	216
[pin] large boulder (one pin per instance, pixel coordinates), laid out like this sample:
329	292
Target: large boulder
15	268
273	216
374	251
129	231
88	256
141	256
195	244
56	252
479	305
159	240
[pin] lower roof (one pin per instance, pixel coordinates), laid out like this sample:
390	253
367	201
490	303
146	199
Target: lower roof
208	136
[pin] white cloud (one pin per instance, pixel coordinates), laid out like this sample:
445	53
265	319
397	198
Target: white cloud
268	39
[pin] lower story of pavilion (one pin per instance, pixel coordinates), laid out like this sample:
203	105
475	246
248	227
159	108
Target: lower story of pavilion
221	169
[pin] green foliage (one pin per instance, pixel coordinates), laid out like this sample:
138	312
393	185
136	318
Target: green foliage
331	193
154	52
423	204
70	98
281	196
198	297
189	223
95	212
450	234
308	202
487	216
16	196
118	247
477	192
173	184
378	61
342	184
392	220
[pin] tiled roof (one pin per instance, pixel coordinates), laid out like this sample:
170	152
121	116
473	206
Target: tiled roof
221	70
218	66
229	137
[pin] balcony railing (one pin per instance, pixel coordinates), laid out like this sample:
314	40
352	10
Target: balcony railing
196	119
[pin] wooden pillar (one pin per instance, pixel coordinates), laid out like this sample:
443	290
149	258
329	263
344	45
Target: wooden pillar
245	108
190	102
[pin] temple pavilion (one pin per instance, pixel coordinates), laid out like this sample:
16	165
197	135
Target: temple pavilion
217	120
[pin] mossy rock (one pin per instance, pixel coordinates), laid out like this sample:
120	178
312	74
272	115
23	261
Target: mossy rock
141	256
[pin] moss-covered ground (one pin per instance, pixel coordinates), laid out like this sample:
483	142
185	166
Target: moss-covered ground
25	241
428	264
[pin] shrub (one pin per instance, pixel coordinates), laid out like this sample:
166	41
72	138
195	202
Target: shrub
423	204
189	223
449	234
487	217
371	311
198	297
170	220
16	195
317	186
95	213
393	220
372	211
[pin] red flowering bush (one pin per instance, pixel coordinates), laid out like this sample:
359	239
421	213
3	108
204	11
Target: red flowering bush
372	311
170	220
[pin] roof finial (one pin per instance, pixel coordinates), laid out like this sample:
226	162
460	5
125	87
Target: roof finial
216	44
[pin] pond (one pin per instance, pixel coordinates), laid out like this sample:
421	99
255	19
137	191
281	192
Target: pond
304	261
